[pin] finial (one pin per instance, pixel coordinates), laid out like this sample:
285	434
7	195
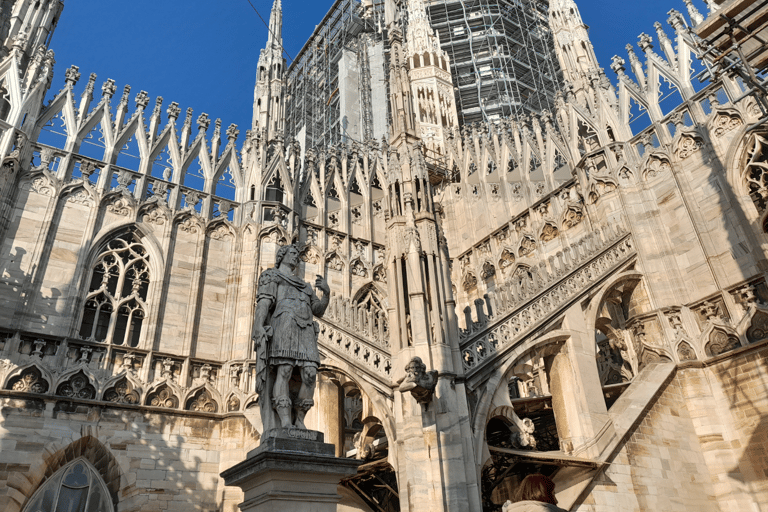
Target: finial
202	121
142	100
108	89
232	133
71	76
676	20
91	85
173	111
644	42
693	13
126	92
158	105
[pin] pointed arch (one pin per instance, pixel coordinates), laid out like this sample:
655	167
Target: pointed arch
76	486
31	378
78	382
59	455
123	389
118	290
372	297
203	398
163	394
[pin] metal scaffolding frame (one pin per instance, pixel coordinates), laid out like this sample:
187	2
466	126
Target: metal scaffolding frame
735	39
312	93
502	55
507	68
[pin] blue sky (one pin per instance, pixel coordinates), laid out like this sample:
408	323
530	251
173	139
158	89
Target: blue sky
203	54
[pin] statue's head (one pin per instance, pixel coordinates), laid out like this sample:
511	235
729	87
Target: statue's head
414	370
286	251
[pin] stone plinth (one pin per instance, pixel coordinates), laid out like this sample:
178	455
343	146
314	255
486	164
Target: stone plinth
292	469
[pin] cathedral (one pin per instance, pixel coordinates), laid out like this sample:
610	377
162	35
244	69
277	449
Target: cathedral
568	267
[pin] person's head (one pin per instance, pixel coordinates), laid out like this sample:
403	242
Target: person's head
289	251
536	487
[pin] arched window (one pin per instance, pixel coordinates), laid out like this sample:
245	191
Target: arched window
116	302
368	296
77	487
275	189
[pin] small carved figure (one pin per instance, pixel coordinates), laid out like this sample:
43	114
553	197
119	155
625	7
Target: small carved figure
420	382
285	337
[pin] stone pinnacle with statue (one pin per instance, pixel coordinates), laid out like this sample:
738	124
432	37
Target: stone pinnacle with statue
285	338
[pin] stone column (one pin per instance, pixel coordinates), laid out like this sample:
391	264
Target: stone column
294	470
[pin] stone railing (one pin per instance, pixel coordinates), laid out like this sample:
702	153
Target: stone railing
56	171
359	320
516	308
349	347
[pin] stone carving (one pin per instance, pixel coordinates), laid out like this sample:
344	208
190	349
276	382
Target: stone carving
758	328
168	365
30	381
488	271
469	282
202	401
482	340
155	215
573	217
285	338
334	262
120	206
527	246
685	352
656	166
723	123
309	255
221	232
756	171
687	146
418	381
233	404
507	259
39	348
380	274
721	342
190	225
163	397
357	268
122	393
522	437
77	387
548	233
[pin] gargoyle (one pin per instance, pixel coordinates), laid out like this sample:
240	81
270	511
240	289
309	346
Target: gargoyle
420	382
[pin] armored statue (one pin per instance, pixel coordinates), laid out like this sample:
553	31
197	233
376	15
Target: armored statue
285	338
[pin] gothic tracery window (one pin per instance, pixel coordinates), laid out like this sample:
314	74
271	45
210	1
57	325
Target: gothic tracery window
756	170
115	306
76	487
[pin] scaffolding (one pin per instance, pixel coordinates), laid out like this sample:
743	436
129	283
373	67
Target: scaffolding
502	62
312	95
502	56
735	39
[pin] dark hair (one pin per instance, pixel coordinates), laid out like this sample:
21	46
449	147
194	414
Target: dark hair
536	487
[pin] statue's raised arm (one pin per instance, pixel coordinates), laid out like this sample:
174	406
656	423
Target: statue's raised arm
285	338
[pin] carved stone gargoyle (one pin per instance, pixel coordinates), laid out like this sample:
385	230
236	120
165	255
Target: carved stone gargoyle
420	382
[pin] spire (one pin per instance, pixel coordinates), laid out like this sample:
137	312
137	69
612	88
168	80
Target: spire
420	36
270	86
275	38
573	48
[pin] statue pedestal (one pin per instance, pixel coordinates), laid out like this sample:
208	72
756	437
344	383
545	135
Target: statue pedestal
292	469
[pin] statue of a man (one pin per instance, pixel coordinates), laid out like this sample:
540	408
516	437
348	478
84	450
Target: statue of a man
285	337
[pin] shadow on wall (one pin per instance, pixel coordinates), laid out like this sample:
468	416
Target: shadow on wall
129	458
17	296
747	392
